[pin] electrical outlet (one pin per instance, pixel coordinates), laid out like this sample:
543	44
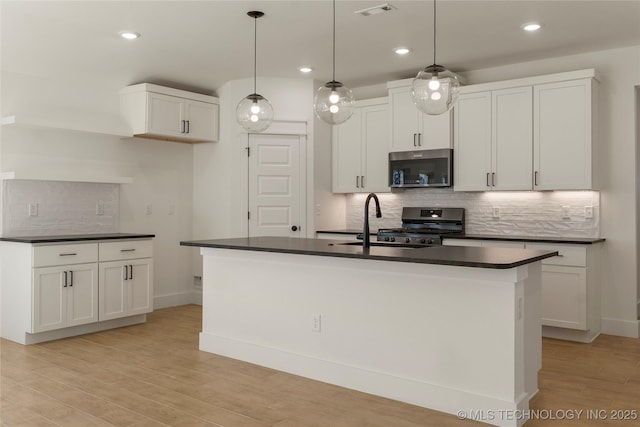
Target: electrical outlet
316	323
496	213
317	210
566	212
99	208
147	209
588	212
33	209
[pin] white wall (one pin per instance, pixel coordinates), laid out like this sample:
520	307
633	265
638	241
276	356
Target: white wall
161	171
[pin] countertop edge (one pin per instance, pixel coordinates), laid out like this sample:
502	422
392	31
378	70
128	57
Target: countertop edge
78	238
436	261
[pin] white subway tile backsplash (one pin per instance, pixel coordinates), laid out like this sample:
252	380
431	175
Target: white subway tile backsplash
520	213
63	208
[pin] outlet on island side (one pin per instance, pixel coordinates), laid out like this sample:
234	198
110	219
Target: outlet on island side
316	323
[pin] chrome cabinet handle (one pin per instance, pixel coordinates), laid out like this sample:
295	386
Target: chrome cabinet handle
357	181
362	180
71	277
535	178
414	140
65	279
127	250
69	254
493	179
488	185
131	272
182	126
188	126
126	272
419	140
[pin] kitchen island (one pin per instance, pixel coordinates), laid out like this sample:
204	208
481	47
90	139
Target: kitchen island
448	328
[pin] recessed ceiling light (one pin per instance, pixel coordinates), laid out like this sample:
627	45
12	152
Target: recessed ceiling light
402	50
129	35
305	69
532	26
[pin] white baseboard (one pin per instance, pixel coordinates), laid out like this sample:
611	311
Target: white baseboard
452	401
180	298
82	329
622	328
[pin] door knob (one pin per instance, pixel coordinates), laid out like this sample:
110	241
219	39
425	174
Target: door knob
294	228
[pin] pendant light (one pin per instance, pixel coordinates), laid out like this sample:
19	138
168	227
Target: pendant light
435	89
333	102
254	113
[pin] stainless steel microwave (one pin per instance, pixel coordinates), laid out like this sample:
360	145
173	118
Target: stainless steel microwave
421	169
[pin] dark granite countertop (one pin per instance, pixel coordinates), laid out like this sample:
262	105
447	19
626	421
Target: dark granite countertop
75	237
533	239
497	258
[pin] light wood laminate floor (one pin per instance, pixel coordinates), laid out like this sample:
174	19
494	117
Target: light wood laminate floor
153	375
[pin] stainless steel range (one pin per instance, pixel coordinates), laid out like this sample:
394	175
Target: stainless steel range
424	226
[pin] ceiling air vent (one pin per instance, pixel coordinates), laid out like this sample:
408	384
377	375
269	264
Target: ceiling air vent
376	10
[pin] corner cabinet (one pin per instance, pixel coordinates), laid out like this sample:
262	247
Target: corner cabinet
58	290
158	112
411	129
359	149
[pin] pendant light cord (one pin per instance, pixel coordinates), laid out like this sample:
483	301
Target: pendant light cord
434	32
255	51
334	41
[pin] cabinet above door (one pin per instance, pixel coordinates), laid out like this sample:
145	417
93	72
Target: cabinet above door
170	114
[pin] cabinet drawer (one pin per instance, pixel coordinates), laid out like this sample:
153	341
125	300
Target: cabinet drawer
80	253
567	254
127	249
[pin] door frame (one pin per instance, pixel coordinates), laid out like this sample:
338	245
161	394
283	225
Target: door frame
289	128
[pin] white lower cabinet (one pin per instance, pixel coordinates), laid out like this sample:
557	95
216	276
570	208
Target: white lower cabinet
64	296
57	290
125	288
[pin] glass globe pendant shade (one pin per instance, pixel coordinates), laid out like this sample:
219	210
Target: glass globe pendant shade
333	103
254	113
435	90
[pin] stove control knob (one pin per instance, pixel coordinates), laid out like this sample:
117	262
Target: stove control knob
393	239
424	241
386	239
430	241
407	240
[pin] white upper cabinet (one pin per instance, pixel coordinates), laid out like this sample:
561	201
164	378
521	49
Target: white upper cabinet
163	113
563	128
526	134
411	129
360	150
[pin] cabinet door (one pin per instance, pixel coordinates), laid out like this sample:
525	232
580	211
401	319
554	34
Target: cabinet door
82	294
164	115
49	308
139	287
111	302
404	120
347	151
435	131
564	296
512	139
472	142
375	151
202	120
562	135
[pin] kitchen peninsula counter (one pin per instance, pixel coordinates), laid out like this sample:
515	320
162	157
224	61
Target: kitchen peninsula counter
447	328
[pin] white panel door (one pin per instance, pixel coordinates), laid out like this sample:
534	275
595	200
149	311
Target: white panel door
375	152
512	139
276	178
202	120
404	120
112	292
49	298
140	290
435	132
347	154
164	114
82	294
562	135
472	146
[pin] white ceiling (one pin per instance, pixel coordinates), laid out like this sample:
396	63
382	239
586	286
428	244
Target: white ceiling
200	45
